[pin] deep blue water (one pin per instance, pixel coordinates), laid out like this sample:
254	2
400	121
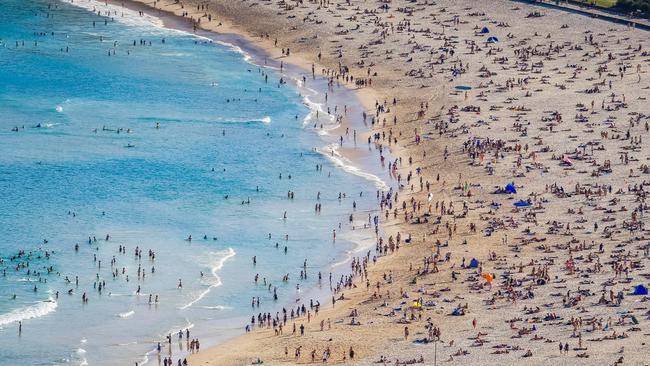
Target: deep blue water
143	142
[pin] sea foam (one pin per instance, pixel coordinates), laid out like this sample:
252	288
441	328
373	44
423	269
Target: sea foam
29	312
149	23
222	257
331	152
126	314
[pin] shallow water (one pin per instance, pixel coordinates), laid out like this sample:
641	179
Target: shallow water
87	161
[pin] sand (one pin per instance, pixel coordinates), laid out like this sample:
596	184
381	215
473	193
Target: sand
559	106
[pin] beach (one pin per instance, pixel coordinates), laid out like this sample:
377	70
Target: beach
532	122
342	182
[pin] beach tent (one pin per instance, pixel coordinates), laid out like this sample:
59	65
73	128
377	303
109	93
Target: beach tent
521	204
473	263
640	290
485	30
510	188
492	40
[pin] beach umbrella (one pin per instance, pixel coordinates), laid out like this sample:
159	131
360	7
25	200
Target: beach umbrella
492	40
473	263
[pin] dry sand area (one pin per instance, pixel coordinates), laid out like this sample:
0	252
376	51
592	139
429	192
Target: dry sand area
557	108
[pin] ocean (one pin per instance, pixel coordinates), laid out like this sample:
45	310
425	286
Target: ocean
117	133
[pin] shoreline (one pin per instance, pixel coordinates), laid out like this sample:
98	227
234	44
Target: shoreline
242	349
262	54
228	33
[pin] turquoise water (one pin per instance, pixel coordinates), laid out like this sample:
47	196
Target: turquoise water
143	143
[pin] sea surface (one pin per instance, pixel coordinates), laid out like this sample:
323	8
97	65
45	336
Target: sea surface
116	132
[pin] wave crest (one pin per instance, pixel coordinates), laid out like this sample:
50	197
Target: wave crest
126	314
344	163
223	256
29	312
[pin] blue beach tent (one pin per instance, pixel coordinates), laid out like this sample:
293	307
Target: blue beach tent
473	263
492	40
640	290
510	188
485	30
